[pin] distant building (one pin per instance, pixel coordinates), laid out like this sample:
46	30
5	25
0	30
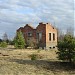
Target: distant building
44	34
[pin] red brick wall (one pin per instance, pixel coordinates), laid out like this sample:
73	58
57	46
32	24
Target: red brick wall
42	28
45	29
50	29
26	30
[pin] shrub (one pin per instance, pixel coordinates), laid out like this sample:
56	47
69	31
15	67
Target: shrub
33	57
66	49
11	42
3	44
32	43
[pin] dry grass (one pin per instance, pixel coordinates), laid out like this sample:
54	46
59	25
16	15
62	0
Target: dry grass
17	62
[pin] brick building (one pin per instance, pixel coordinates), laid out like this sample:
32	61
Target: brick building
44	34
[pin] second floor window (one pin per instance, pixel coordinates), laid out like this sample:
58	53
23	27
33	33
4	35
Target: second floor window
29	34
49	36
53	36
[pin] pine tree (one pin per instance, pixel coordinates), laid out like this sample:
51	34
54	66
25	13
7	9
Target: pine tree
66	48
19	41
5	37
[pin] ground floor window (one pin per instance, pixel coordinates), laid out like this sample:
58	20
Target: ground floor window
39	36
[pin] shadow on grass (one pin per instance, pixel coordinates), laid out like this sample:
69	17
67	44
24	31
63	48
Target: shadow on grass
47	65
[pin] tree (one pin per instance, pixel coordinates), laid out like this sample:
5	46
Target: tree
19	41
70	31
1	40
60	34
66	48
5	38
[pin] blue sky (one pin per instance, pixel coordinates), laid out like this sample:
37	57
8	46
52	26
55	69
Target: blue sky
16	13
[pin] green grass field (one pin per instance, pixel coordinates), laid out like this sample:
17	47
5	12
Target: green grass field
17	62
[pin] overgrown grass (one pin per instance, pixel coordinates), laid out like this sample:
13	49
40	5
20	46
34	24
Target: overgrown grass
18	62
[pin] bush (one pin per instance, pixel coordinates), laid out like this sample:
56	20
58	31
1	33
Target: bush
3	44
66	49
31	42
11	42
33	57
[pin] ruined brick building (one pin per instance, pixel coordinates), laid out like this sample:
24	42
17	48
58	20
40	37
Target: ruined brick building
44	34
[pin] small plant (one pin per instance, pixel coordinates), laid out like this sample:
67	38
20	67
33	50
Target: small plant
33	56
3	44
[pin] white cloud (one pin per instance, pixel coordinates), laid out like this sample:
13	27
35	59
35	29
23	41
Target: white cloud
14	13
